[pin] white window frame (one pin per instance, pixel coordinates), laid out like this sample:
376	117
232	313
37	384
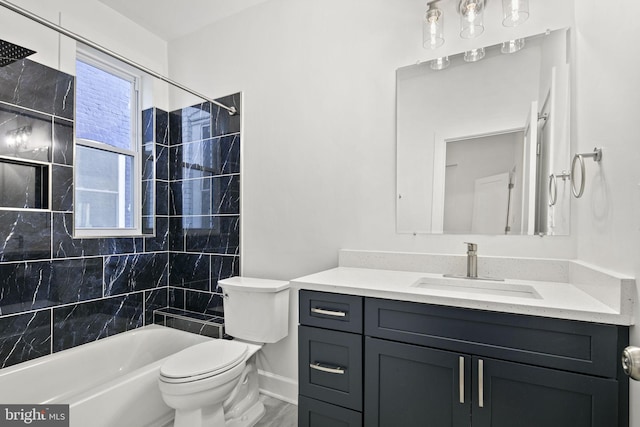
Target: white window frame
119	69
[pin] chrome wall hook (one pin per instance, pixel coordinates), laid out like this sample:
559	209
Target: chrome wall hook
596	155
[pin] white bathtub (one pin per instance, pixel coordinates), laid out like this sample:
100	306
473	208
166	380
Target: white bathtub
111	382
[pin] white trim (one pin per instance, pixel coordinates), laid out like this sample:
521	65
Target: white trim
130	74
282	388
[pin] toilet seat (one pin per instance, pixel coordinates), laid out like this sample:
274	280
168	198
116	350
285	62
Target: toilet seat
203	361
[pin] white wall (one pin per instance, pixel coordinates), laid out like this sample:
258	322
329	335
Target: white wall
319	147
607	218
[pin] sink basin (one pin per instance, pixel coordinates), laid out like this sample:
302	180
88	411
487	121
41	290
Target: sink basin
477	286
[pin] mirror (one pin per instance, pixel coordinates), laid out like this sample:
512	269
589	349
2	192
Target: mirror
478	141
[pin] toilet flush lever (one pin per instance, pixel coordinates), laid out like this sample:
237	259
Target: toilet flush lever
631	362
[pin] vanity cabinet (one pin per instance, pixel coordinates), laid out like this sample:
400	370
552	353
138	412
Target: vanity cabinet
429	365
330	360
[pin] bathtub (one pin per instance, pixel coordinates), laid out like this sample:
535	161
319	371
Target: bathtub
107	383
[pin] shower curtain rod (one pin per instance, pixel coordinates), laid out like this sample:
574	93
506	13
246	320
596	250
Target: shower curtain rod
232	110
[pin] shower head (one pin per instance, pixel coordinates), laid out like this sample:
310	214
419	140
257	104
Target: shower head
10	53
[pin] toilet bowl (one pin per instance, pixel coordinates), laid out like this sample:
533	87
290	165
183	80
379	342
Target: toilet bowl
215	383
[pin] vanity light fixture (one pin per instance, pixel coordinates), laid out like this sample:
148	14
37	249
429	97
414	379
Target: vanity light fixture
512	46
433	27
515	12
471	13
439	63
474	55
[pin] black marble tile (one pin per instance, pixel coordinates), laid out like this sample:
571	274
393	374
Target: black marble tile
153	300
90	321
25	235
175	127
162	198
148	224
191	123
222	122
189	271
206	196
204	302
162	127
137	272
34	285
148	161
62	188
218	234
24	337
176	234
225	195
160	241
76	280
38	87
25	286
162	162
223	267
176	297
216	156
34	130
148	205
147	125
24	185
65	246
229	154
62	142
175	198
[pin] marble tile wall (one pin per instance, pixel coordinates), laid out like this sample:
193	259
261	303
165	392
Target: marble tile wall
57	292
204	204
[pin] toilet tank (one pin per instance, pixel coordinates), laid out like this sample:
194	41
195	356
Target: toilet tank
256	309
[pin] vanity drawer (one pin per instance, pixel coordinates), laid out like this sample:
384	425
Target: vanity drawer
569	345
330	366
331	311
314	413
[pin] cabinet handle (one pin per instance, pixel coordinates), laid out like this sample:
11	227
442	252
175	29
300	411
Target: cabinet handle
329	369
328	312
480	383
461	364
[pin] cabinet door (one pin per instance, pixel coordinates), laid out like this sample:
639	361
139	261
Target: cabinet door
330	366
407	386
507	394
314	413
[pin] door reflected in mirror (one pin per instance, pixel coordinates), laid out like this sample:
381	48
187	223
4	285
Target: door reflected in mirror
477	142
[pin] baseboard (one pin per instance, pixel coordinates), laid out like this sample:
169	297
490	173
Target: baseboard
283	388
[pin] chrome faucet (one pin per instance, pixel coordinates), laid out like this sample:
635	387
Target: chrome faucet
472	260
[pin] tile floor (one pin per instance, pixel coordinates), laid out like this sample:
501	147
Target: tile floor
279	413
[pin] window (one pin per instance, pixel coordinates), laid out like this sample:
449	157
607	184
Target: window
107	171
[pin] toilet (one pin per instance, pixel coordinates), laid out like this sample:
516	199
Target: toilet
215	383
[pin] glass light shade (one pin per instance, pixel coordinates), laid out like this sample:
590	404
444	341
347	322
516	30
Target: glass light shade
440	63
515	12
474	55
471	18
512	46
433	29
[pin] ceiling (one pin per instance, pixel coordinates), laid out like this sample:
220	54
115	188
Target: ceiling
169	19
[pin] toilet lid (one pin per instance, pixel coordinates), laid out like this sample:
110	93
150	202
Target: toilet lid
207	358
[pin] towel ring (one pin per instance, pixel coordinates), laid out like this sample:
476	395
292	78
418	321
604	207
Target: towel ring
553	186
596	155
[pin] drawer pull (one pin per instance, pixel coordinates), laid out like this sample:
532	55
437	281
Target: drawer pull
461	374
328	312
480	383
328	369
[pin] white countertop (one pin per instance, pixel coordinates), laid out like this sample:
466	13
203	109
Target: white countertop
558	299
